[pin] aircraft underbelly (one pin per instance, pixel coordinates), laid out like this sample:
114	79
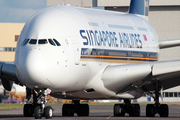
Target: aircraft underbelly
97	95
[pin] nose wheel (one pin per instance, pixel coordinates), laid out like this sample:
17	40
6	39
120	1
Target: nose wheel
38	112
38	107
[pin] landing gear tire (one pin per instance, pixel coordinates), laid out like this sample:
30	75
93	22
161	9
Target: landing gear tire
67	110
134	110
83	110
137	110
48	111
76	107
28	110
164	110
150	110
118	110
161	109
37	112
127	107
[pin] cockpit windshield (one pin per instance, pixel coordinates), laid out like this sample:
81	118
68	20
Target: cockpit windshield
57	43
42	41
24	42
52	42
33	41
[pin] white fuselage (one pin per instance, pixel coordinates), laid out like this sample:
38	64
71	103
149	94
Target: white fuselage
90	41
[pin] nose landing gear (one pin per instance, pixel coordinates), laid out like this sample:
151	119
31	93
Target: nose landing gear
38	107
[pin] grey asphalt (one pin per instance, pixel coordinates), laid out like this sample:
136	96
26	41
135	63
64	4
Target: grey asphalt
102	112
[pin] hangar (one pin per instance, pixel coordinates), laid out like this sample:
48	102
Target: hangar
9	34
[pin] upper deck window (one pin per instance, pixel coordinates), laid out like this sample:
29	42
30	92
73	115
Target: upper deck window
51	42
42	41
33	41
57	43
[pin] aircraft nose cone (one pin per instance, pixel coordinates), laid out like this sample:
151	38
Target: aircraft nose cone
35	68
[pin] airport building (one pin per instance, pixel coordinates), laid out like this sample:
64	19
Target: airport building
164	15
9	34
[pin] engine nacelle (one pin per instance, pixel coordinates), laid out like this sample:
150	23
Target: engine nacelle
116	78
7	84
8	75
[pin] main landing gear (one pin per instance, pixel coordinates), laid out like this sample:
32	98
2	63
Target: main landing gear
161	109
38	107
127	107
76	107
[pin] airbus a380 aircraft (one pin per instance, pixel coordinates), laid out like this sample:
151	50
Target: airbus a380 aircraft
78	53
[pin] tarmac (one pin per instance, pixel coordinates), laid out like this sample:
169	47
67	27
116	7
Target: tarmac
101	112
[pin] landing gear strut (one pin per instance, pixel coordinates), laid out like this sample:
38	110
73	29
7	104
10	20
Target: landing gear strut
76	107
161	109
38	107
127	107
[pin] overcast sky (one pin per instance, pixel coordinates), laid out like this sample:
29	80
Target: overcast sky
19	11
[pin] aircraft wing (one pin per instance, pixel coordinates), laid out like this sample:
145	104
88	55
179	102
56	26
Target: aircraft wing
167	72
129	77
169	43
8	75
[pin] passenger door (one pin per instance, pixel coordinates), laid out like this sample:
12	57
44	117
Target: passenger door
71	43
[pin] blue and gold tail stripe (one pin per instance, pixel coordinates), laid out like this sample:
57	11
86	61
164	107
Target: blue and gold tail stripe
117	55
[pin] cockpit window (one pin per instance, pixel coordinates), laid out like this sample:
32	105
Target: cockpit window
51	42
33	41
42	41
24	42
57	43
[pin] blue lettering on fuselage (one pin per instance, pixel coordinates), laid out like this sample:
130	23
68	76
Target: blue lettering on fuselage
111	39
